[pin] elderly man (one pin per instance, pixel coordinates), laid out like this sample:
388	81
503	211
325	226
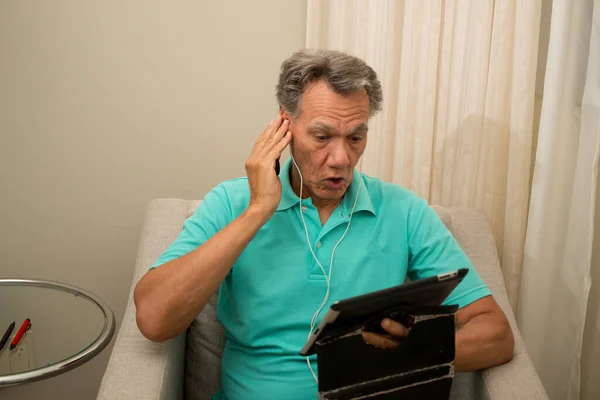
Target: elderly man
267	242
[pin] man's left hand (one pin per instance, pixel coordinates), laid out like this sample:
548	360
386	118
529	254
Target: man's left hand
396	332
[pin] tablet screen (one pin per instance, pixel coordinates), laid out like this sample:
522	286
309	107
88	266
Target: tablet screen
367	310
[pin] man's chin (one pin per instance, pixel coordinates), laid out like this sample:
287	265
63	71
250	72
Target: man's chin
331	194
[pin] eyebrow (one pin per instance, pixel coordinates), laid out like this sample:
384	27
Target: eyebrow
319	127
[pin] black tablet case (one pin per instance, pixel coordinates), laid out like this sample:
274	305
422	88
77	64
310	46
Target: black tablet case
421	367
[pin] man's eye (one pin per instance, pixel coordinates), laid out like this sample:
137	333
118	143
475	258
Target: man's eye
322	138
356	139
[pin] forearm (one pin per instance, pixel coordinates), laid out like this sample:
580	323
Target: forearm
169	297
484	341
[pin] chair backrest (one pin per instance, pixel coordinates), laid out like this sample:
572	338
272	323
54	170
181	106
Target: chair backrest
206	339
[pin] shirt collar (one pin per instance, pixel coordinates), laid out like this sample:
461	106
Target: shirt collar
290	199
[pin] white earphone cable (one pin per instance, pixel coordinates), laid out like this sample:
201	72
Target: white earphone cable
313	321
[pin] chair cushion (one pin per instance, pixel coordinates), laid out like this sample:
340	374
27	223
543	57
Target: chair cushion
204	345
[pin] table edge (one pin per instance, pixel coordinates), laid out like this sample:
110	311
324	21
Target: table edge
75	360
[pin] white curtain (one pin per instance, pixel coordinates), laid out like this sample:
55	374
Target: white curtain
557	269
459	86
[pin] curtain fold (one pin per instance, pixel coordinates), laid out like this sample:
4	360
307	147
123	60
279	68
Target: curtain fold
557	267
459	86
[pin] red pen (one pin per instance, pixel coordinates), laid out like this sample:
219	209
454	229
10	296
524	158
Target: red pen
24	328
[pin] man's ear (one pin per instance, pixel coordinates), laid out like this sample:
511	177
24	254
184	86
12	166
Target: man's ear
284	114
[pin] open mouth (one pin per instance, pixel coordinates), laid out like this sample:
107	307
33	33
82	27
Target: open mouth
335	183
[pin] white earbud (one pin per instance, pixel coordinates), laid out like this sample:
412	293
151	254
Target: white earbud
313	321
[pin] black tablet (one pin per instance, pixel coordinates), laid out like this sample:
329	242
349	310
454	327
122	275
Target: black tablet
368	310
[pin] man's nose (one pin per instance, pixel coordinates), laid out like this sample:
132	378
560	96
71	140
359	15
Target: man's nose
339	156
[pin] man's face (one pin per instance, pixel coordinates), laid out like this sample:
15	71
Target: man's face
328	138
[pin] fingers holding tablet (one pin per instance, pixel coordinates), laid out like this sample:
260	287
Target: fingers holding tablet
395	334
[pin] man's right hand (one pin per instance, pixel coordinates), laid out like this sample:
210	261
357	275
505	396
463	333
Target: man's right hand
265	185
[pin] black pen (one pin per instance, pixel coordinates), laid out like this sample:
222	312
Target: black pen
7	335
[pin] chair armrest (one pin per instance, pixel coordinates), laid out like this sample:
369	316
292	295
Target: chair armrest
516	379
139	368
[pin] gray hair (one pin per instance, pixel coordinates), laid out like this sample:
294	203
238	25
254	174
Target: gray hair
343	73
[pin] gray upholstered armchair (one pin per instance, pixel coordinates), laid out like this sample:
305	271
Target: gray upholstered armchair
189	366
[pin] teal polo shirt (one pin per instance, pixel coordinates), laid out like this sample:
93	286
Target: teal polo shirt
267	300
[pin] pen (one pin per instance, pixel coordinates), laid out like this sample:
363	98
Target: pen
24	327
7	335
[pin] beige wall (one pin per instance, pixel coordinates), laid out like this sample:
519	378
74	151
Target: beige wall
106	105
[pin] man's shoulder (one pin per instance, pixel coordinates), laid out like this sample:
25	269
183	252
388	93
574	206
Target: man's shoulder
385	193
236	186
234	192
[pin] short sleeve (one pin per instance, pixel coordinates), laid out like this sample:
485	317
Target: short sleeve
212	215
433	250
